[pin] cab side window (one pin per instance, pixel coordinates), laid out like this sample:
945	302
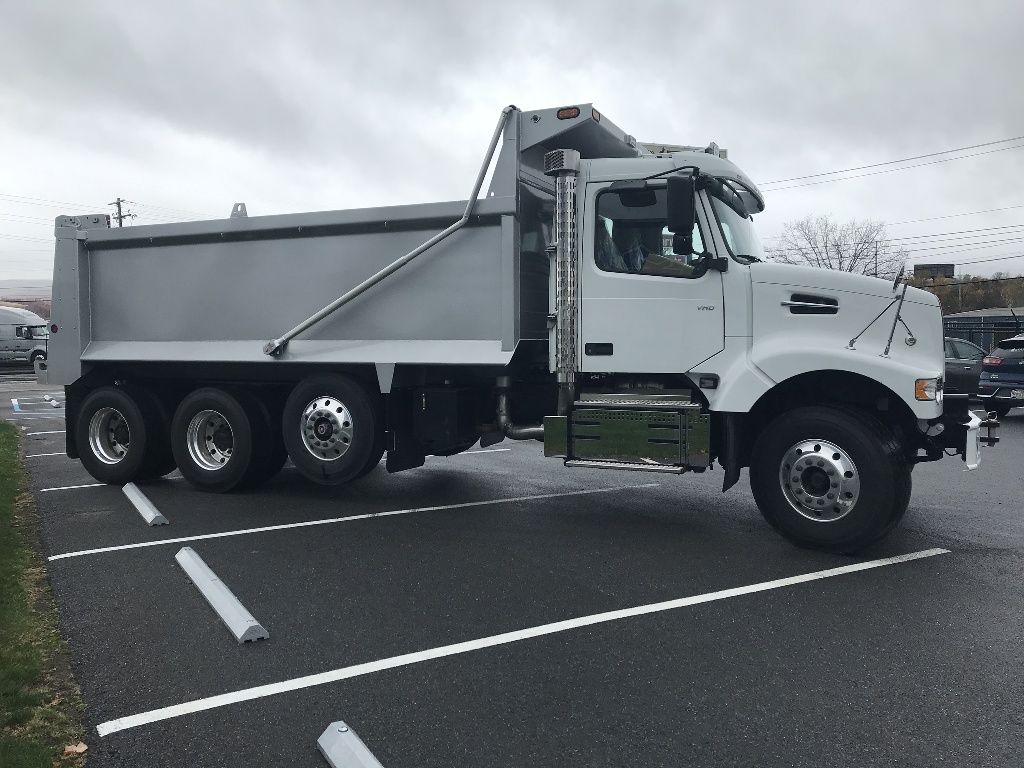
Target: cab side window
631	237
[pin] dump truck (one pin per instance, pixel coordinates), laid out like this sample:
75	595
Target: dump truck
608	301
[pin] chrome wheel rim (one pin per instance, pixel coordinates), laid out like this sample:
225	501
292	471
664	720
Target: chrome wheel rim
326	427
819	480
109	437
210	440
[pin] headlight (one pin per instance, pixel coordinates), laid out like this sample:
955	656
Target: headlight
926	389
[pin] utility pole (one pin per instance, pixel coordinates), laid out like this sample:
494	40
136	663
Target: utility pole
121	216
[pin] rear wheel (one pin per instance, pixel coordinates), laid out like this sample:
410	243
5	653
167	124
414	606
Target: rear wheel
830	478
120	435
219	440
333	429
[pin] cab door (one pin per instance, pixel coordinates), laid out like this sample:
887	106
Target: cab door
644	310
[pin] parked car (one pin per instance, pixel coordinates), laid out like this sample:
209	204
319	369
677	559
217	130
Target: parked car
23	335
1002	376
963	367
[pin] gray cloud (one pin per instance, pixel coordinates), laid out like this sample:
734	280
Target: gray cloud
327	104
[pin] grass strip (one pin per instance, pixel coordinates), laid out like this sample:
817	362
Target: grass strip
40	705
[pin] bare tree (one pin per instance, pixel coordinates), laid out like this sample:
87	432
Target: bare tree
863	247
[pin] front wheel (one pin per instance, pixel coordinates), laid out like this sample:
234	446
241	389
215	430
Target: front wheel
830	478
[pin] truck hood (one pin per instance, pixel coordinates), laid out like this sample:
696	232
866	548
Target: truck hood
814	278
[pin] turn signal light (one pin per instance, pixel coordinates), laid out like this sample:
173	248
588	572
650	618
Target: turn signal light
992	360
925	389
53	328
568	112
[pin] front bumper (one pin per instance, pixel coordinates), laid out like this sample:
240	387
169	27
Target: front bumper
964	431
1011	394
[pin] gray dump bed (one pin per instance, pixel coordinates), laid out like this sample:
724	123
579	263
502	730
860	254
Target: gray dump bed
217	291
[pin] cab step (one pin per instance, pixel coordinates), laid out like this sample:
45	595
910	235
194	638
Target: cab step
627	465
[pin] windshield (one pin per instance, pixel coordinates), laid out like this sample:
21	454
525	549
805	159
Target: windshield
738	231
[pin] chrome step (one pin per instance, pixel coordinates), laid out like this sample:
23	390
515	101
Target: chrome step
633	400
628	465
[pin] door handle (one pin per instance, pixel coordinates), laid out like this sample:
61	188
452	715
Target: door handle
967	367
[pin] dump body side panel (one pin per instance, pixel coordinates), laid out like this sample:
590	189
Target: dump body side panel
219	290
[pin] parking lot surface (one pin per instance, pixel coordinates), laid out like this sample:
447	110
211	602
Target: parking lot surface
912	662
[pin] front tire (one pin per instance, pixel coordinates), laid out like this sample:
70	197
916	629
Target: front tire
333	429
830	478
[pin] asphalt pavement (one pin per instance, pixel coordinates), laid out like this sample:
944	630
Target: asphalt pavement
408	605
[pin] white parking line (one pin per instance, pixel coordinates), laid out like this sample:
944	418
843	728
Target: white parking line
71	488
38	455
332	520
489	450
54	432
298	683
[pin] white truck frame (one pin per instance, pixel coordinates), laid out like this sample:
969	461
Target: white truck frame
548	310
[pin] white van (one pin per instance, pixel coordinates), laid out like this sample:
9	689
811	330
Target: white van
23	335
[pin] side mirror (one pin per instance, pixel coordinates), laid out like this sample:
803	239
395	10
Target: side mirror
682	213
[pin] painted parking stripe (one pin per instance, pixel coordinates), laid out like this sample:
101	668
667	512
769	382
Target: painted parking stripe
39	455
72	487
54	432
352	518
489	450
145	507
345	673
236	618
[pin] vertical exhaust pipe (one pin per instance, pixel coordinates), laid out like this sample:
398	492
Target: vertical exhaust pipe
564	164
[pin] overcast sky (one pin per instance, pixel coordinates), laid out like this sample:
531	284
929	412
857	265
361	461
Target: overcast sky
185	108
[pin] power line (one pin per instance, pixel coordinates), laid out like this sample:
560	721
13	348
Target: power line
894	162
893	170
953	215
23	237
171	210
996	258
936	234
44	201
